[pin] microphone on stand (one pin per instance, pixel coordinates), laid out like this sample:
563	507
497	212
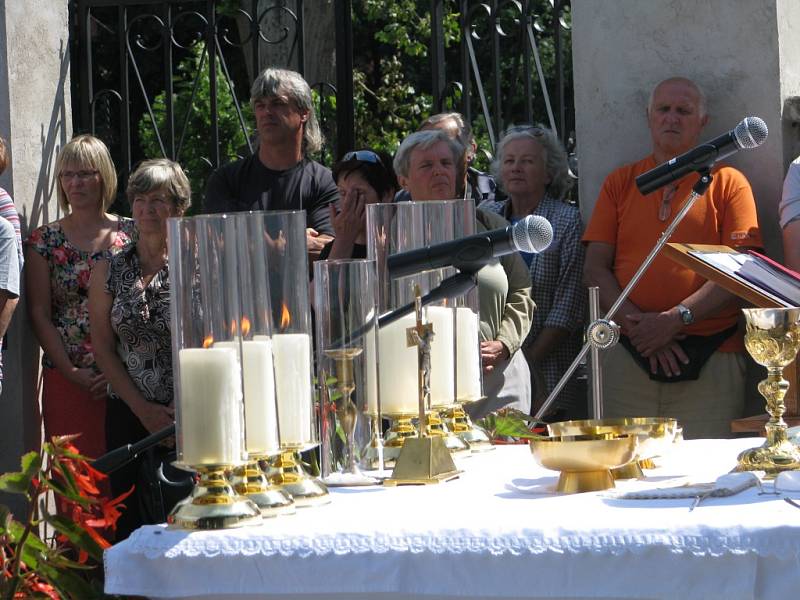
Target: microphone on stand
113	460
749	133
533	234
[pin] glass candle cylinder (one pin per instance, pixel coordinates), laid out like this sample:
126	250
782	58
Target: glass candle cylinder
285	254
345	292
206	317
395	228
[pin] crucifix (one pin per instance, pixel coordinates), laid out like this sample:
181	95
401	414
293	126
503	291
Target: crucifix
421	336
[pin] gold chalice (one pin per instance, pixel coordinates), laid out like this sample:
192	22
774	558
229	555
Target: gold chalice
772	339
585	461
655	437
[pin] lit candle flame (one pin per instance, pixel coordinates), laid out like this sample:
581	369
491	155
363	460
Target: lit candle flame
286	318
208	341
245	326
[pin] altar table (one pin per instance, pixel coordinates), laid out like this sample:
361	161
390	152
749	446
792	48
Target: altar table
499	531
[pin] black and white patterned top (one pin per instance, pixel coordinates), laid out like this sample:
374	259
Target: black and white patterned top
140	319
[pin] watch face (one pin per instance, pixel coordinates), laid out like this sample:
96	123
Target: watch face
686	316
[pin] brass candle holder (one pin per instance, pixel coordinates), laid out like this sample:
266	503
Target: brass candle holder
772	339
286	471
214	504
458	421
252	482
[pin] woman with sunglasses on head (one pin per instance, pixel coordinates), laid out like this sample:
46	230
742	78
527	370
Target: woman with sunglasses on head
427	165
59	258
363	177
531	168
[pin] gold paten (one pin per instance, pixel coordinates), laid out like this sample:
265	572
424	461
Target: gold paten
213	504
585	461
286	472
772	339
250	481
655	438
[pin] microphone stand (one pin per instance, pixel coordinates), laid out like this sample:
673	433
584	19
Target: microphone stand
604	333
111	461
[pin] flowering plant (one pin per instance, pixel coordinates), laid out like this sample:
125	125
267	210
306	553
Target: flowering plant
68	568
511	426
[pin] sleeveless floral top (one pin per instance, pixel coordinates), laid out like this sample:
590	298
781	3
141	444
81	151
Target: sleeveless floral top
140	318
70	268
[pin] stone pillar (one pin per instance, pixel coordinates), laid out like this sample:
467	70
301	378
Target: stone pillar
35	119
744	54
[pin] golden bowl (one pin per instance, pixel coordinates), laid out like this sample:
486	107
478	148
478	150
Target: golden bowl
655	435
585	461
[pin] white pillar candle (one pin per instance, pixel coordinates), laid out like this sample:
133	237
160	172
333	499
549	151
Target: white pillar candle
371	368
468	359
398	369
211	407
291	353
261	422
442	355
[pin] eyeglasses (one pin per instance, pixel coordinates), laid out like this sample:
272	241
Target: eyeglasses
81	175
363	156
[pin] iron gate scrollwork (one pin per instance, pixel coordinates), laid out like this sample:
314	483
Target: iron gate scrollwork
171	78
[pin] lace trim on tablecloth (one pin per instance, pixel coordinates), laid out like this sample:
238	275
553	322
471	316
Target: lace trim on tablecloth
157	542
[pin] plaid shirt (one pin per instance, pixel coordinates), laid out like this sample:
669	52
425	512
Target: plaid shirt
558	290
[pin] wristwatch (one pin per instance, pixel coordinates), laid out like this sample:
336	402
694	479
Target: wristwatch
687	316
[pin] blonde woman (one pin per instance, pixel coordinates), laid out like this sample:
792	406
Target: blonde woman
59	258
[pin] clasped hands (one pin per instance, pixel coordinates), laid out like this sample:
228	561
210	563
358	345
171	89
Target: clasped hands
655	335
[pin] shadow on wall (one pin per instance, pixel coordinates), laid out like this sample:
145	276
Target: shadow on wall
52	137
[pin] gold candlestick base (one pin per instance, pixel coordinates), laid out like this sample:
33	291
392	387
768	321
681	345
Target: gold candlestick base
214	504
458	421
436	427
402	428
286	472
250	481
772	339
423	461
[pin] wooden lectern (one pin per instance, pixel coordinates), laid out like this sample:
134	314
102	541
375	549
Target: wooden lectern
681	253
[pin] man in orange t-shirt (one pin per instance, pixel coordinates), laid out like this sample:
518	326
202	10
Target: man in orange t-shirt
681	352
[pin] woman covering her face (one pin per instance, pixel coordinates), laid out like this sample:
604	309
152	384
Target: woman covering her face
363	177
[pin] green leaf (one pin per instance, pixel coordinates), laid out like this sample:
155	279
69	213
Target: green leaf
20	482
76	535
69	584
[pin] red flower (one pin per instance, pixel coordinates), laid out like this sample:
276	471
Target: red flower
83	278
60	256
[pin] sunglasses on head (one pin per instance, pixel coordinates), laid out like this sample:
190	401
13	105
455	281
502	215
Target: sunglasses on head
363	156
532	129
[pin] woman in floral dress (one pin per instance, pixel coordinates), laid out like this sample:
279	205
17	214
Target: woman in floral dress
59	258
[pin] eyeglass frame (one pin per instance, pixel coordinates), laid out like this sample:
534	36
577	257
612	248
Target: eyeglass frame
82	175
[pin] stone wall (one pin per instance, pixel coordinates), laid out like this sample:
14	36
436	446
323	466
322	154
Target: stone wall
744	54
35	119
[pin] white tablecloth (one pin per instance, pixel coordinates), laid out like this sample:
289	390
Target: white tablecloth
497	532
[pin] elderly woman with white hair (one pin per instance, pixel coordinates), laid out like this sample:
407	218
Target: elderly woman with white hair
129	310
531	168
427	166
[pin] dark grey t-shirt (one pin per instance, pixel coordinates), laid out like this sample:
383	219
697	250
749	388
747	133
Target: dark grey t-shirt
239	186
